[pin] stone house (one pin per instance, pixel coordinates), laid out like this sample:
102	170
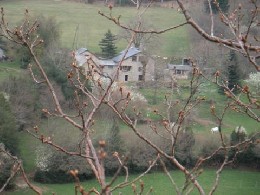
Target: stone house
179	71
131	61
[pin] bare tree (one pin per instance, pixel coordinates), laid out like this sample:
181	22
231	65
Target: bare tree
170	131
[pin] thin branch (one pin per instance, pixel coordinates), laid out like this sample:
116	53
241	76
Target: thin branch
127	183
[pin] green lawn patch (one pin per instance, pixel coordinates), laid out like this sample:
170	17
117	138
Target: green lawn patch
7	69
91	27
27	146
232	182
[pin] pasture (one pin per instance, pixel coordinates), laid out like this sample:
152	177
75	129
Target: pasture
202	118
7	69
91	27
232	182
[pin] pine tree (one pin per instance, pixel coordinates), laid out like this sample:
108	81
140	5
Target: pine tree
107	45
233	72
223	4
232	75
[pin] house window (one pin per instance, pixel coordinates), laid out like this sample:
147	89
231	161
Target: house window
134	58
178	71
125	68
140	69
126	77
186	62
110	67
140	77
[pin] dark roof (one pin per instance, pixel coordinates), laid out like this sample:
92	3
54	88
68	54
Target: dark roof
126	54
2	53
179	67
82	53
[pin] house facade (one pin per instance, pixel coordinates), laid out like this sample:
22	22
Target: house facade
179	71
133	65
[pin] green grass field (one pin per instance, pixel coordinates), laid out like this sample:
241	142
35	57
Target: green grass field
7	69
232	182
92	27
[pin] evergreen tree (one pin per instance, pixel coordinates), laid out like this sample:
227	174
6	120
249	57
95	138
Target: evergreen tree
233	75
107	45
223	4
233	72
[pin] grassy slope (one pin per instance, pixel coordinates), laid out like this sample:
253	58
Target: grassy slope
7	69
92	26
232	182
210	92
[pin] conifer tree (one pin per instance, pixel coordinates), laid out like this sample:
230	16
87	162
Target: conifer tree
107	45
233	72
223	4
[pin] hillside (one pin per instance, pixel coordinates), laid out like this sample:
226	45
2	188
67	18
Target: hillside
82	23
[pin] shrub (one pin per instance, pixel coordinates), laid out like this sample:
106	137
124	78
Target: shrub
184	147
208	147
8	132
53	167
6	165
114	144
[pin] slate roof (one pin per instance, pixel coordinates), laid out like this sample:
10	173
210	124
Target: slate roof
179	67
2	55
81	56
126	54
107	62
82	53
81	50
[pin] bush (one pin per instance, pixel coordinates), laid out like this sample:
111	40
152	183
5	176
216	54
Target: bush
250	154
185	143
8	132
114	144
58	176
209	146
24	98
6	165
53	166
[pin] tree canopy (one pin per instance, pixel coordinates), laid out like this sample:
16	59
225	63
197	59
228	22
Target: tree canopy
8	136
223	4
107	45
233	72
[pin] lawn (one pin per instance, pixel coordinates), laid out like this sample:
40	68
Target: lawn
92	27
202	112
7	69
232	182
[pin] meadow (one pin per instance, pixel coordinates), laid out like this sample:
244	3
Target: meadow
8	69
232	182
91	27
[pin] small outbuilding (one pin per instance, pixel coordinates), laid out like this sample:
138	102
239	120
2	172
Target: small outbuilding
2	55
180	71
